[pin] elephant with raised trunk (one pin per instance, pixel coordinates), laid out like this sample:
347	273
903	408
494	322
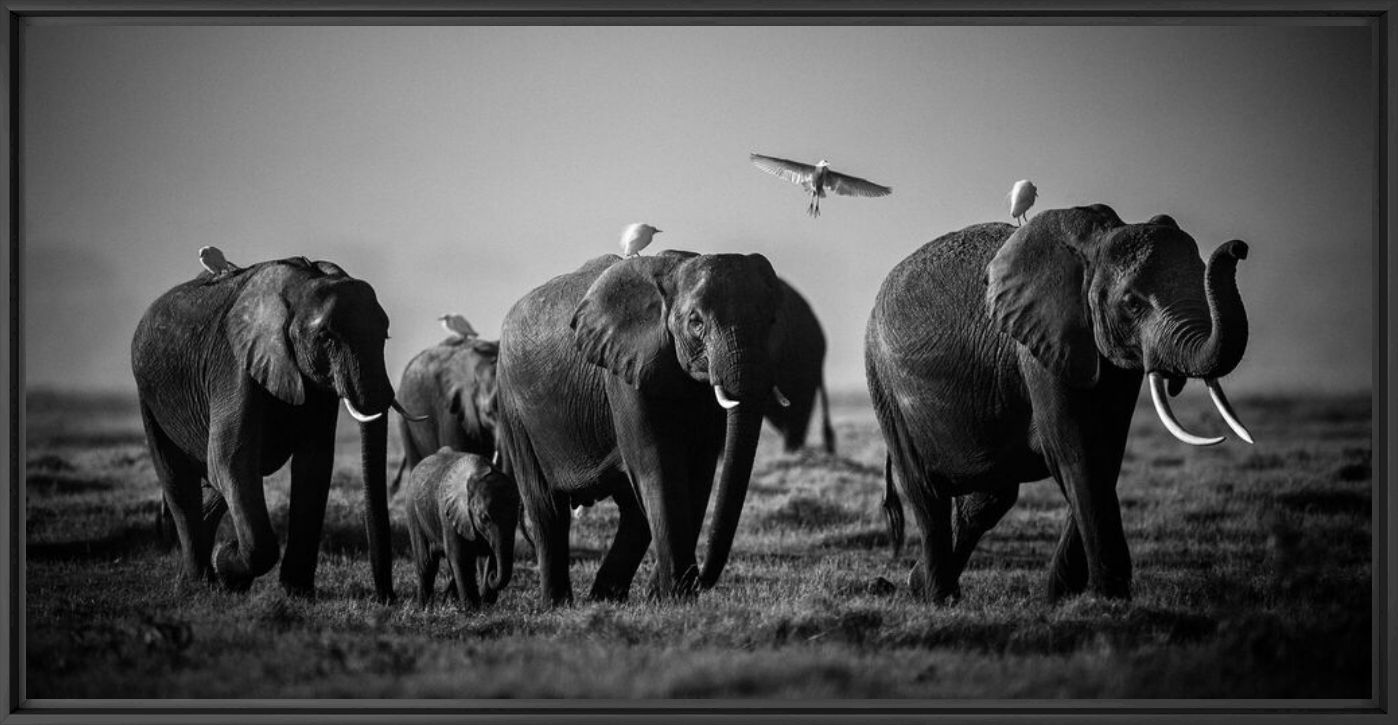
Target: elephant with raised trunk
999	355
452	383
462	509
631	379
239	372
798	356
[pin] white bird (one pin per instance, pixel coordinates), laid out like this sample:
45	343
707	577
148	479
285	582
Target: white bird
456	324
635	237
817	179
213	260
1022	196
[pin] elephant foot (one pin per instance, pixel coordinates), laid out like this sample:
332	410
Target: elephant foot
299	591
609	592
941	596
687	584
222	560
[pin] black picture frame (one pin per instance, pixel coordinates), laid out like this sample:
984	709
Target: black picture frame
1378	15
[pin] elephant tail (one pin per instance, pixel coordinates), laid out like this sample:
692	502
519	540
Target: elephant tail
826	431
892	507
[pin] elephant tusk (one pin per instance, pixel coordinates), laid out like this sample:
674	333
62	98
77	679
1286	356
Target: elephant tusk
1226	410
781	399
406	415
1162	409
723	400
495	459
362	418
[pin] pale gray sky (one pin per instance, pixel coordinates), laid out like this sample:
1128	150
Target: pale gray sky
457	167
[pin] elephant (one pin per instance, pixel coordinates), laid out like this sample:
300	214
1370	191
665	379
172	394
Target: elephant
453	382
798	353
999	355
464	509
629	378
240	371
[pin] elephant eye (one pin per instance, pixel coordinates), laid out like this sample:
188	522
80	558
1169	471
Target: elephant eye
1134	303
696	324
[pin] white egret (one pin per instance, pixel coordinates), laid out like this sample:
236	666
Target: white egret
1022	196
457	325
818	179
213	260
635	237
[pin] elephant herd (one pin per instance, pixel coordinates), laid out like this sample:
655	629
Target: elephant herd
995	355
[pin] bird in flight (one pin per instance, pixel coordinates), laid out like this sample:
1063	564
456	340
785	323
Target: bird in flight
818	179
213	260
457	325
1022	196
635	237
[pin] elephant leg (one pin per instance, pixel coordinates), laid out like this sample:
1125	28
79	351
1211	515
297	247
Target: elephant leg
613	581
552	521
180	478
312	464
1091	490
1068	575
935	579
426	561
662	477
463	571
976	514
234	470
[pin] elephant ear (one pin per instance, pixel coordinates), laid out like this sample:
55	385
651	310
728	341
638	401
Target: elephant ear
455	502
620	323
1036	293
257	328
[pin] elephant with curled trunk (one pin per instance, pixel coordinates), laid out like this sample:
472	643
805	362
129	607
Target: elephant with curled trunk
239	372
999	355
453	384
631	379
798	355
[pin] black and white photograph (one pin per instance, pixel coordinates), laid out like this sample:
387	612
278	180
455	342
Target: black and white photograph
799	362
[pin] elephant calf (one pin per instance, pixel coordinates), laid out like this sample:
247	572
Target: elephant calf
463	508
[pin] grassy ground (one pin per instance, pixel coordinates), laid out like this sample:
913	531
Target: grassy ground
1253	569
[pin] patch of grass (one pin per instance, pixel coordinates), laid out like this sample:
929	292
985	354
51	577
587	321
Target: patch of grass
1252	579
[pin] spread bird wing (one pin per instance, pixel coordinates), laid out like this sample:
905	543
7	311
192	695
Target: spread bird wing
846	185
793	171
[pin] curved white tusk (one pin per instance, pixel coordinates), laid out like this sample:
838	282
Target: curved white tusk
414	418
362	418
723	400
1224	409
1162	409
495	459
781	399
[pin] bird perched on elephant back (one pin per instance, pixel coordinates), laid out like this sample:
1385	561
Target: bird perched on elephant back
998	355
462	508
238	373
798	357
453	384
634	379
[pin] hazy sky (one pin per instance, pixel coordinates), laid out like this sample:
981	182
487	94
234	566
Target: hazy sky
455	168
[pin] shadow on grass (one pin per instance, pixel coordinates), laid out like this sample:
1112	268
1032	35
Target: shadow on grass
1140	626
1327	502
122	542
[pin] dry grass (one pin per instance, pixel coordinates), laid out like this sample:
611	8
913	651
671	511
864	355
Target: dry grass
1252	569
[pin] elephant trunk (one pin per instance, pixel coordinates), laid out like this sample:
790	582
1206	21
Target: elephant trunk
1190	350
374	447
503	548
744	423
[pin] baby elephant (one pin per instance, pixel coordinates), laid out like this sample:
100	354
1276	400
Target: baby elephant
461	507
